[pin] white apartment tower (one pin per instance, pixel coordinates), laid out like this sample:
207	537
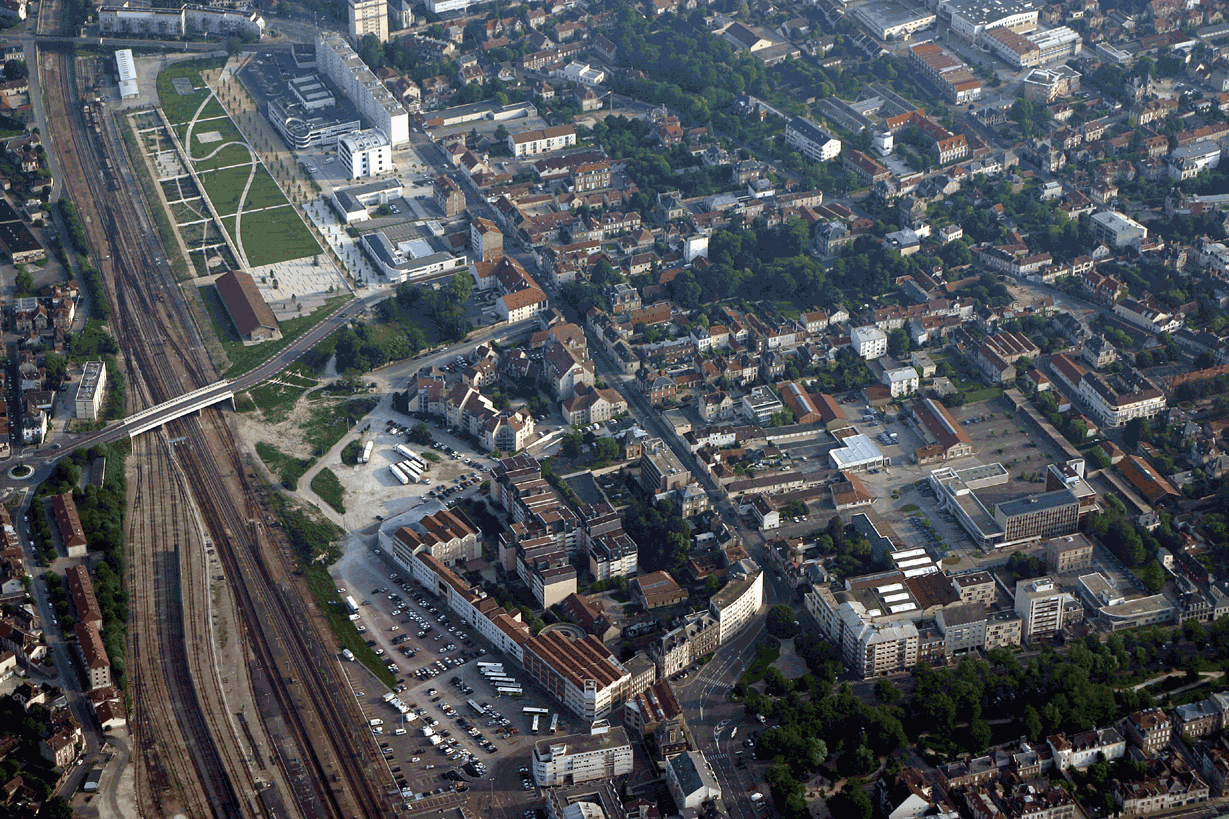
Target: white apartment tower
368	17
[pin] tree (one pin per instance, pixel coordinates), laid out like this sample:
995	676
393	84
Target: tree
853	802
16	70
570	445
56	807
24	284
899	343
460	288
606	449
1033	729
420	434
781	621
233	46
501	133
886	691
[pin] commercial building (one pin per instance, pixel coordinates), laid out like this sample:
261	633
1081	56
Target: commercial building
1041	606
601	755
869	342
352	204
892	20
87	401
411	251
1117	229
447	6
301	128
529	143
127	72
368	17
248	311
1112	608
971	18
857	453
1014	520
200	21
365	153
813	142
582	674
374	101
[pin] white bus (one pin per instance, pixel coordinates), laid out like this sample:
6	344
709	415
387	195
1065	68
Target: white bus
351	606
510	691
365	455
554	723
478	709
534	729
529	710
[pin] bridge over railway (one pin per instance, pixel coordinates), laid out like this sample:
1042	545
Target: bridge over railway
221	391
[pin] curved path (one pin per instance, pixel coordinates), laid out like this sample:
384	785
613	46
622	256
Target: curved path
254	159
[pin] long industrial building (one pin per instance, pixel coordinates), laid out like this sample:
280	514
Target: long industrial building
373	100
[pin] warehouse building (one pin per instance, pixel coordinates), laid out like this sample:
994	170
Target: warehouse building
247	308
892	20
126	70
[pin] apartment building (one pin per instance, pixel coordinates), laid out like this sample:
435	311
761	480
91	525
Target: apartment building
1115	399
544	567
582	674
93	656
85	603
1070	553
1150	730
365	153
813	142
379	106
447	535
950	76
68	522
87	400
602	755
613	555
368	17
176	22
738	600
542	141
869	342
655	712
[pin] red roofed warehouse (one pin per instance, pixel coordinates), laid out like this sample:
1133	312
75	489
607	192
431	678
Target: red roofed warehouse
252	317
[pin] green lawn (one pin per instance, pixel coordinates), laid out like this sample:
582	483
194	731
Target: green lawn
984	394
764	657
276	399
330	490
276	235
181	109
225	187
229	156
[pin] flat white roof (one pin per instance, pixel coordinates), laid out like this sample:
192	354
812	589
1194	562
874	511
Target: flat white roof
905	555
903	607
896	598
857	451
127	73
889	588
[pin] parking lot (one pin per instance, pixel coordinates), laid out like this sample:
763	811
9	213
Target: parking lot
441	751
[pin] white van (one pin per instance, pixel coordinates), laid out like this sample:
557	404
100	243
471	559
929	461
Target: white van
375	722
400	732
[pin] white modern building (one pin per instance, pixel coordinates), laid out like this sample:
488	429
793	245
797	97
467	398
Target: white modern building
581	73
869	342
374	101
811	141
365	153
901	381
1117	229
1040	605
368	17
857	454
90	391
601	755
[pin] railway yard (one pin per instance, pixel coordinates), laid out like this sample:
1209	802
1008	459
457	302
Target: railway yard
236	713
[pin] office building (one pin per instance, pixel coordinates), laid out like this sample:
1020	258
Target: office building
1040	516
87	401
408	252
1040	605
368	17
970	495
365	153
813	142
1070	553
601	755
374	101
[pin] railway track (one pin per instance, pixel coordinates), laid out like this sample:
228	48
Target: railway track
191	749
